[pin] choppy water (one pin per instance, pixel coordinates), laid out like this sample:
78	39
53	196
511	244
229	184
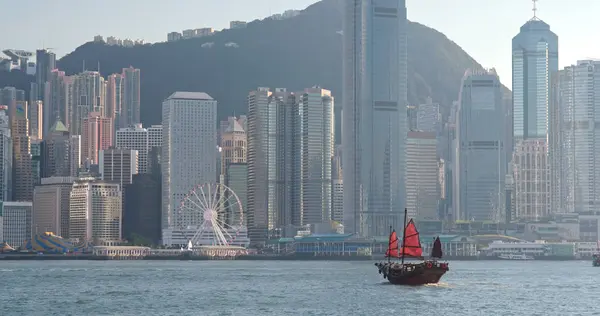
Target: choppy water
292	288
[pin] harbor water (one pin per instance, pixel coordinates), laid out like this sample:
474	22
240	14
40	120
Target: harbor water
292	288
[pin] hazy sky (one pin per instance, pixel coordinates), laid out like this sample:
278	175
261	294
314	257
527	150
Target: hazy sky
483	28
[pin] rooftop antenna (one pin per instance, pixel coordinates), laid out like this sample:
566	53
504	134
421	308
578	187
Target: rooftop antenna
534	8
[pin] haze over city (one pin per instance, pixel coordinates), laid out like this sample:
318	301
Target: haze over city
482	28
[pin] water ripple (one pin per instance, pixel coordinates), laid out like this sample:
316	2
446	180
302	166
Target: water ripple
231	288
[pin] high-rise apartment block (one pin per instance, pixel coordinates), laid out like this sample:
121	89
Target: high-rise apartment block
97	135
130	106
579	151
189	148
374	124
290	146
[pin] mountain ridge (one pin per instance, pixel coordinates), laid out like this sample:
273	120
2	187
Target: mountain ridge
294	53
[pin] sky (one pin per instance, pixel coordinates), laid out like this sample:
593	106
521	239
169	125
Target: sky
483	28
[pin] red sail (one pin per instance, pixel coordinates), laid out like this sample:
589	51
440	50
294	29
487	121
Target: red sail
411	245
392	250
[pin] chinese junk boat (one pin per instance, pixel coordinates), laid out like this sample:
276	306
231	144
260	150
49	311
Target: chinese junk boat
426	272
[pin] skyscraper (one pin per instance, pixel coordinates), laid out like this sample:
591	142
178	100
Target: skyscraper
97	135
141	139
315	106
45	62
6	158
374	115
23	171
580	137
480	165
189	148
422	172
268	207
535	61
130	110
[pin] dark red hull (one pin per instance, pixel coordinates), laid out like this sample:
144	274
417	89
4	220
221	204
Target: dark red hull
429	272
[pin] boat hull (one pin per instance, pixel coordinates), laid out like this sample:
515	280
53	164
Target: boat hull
413	274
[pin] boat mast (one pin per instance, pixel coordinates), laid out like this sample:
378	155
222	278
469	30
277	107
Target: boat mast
404	235
389	245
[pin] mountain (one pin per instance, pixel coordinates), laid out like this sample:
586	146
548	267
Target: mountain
294	53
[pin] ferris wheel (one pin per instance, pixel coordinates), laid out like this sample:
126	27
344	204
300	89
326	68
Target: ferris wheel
210	214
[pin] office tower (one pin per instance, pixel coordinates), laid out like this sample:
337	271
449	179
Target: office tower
428	116
236	179
337	195
374	115
273	199
422	176
579	104
57	100
57	160
189	148
531	179
535	61
141	139
480	165
75	154
9	97
36	160
23	173
16	222
36	119
142	213
535	66
114	96
6	158
130	110
118	165
51	201
97	135
315	107
95	211
45	63
233	144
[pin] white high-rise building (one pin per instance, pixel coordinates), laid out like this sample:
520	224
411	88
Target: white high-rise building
95	211
374	124
317	137
6	159
422	176
142	140
16	222
580	137
189	148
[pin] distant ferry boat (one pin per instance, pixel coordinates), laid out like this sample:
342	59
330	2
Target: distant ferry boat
511	256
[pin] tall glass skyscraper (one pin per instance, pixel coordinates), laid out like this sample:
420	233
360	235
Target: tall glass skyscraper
535	60
374	115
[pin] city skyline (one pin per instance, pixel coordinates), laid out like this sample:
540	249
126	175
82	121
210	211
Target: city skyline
499	18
